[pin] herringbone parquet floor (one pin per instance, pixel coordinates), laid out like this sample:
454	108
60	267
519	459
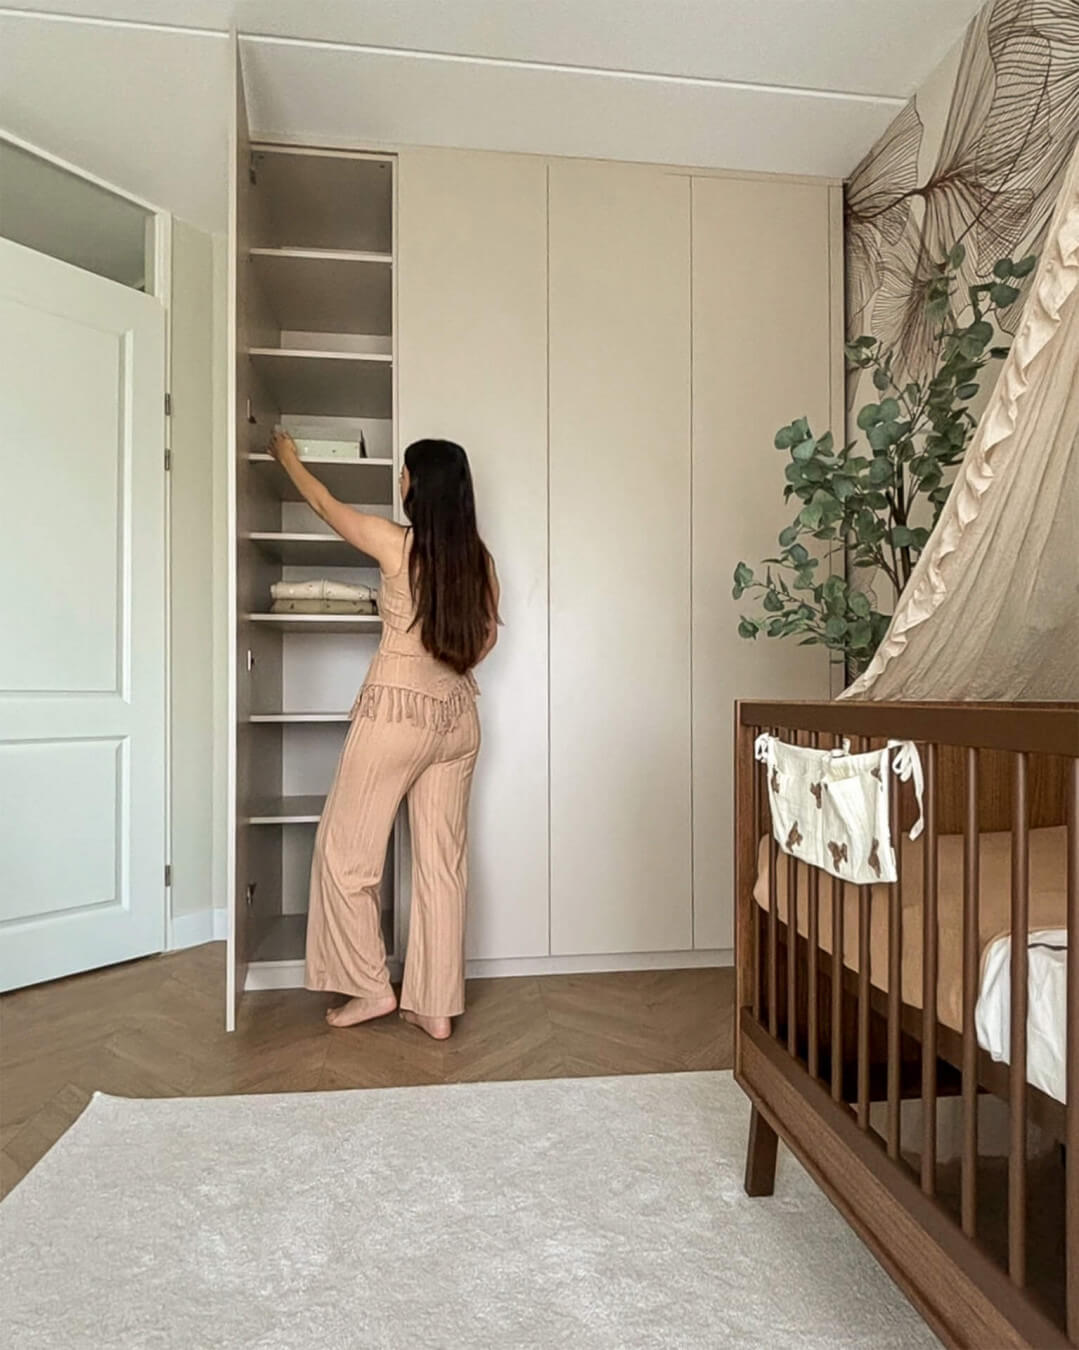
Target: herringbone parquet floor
155	1028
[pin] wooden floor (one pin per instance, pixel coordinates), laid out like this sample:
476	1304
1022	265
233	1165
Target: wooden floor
155	1028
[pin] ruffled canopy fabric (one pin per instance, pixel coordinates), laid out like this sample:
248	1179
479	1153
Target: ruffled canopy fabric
991	611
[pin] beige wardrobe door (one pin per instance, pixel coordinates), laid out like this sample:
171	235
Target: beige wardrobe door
472	359
765	351
239	391
620	559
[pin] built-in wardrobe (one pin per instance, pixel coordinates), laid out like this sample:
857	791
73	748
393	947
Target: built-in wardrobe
615	345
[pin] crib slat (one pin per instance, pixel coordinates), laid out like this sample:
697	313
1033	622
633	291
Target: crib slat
812	996
864	901
837	974
758	834
1071	1091
895	970
773	867
930	958
971	946
1017	1078
865	895
837	989
792	954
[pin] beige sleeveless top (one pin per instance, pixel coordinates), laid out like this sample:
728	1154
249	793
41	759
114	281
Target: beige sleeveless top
405	682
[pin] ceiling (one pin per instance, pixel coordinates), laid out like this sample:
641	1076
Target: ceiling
138	91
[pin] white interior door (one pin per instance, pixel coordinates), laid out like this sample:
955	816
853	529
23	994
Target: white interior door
82	620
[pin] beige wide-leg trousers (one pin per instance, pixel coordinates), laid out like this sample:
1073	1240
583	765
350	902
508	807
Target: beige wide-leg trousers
385	760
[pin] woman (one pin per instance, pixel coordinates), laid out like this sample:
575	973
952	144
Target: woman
414	733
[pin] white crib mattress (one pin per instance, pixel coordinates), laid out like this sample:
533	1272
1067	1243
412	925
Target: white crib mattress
1047	1007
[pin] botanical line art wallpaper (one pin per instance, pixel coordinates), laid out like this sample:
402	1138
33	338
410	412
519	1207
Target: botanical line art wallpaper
977	156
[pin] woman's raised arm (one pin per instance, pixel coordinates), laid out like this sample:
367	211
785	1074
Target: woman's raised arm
374	535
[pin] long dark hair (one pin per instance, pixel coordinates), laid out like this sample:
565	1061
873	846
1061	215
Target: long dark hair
449	568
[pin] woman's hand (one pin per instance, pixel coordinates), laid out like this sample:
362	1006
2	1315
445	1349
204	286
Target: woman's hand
282	447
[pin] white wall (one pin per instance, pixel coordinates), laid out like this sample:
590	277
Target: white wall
191	563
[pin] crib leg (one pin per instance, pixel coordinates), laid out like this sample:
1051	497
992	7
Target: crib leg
760	1156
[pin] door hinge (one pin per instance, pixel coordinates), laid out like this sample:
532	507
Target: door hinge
168	431
168	875
168	458
168	404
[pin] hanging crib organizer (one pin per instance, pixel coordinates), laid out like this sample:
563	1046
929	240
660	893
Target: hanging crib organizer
831	808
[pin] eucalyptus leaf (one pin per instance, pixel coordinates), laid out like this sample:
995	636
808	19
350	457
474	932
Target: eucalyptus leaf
785	438
804	449
880	471
860	633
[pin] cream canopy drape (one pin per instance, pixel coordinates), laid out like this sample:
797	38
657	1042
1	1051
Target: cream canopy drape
991	610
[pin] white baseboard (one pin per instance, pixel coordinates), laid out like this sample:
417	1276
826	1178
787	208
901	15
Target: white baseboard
192	930
595	965
289	974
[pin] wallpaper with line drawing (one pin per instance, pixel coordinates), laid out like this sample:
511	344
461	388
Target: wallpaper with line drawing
977	156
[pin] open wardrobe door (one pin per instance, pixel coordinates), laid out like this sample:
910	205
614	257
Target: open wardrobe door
239	405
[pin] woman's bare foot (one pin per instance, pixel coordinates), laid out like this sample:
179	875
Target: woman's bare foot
358	1010
438	1028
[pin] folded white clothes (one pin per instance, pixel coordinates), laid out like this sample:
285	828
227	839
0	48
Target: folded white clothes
323	607
322	589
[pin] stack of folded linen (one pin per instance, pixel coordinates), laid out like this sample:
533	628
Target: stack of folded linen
322	597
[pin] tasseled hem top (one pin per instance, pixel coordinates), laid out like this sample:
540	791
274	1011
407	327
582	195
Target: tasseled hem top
413	689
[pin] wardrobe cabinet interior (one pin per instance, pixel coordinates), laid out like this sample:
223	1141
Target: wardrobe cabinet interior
314	309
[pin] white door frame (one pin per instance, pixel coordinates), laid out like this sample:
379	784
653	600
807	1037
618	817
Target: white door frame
160	289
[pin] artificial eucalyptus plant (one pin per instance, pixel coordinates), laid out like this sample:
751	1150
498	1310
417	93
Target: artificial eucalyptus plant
879	501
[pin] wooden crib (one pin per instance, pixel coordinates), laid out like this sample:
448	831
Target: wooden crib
830	1043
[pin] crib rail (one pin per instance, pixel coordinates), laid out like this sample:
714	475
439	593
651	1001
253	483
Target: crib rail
987	767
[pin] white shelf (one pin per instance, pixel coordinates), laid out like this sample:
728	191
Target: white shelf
309	550
319	623
326	383
295	718
366	482
326	290
284	810
325	255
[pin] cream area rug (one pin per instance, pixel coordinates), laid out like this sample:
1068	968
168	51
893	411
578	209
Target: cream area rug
576	1212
